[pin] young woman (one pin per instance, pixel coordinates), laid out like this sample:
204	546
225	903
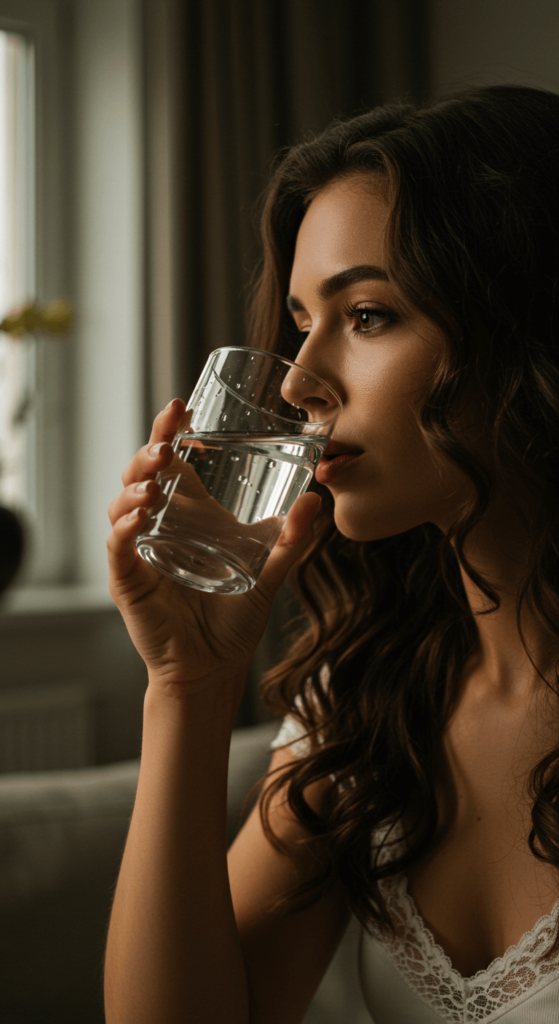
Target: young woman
411	260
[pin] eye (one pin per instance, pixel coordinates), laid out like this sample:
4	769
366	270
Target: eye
367	319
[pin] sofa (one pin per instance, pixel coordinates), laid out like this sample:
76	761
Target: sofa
61	839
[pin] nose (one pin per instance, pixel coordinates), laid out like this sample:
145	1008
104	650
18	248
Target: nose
307	391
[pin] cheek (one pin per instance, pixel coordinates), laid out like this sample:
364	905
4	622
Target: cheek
398	484
383	398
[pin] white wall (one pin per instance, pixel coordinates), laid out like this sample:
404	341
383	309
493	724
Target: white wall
108	264
491	42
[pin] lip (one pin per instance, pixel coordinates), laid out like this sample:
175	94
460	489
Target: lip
344	455
339	448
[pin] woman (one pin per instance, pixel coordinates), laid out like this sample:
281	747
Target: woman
415	780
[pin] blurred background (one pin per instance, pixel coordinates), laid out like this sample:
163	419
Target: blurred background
135	139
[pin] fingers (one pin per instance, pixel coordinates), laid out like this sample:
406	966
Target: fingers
138	495
300	519
167	422
296	536
127	512
157	454
121	548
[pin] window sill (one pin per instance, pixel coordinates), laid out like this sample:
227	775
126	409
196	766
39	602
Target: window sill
41	600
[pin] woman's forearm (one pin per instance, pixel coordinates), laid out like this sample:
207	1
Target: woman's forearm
173	953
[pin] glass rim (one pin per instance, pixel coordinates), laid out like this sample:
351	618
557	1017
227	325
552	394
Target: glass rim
282	359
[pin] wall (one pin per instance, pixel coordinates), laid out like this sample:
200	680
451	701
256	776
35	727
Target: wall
82	644
109	265
492	42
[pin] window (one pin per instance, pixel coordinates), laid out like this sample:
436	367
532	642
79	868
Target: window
35	399
82	207
17	264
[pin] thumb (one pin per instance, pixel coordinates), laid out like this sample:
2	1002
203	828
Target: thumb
297	534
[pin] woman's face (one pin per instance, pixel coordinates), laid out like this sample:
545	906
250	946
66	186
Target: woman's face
377	356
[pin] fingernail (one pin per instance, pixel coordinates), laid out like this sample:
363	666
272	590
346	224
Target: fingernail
142	488
169	404
132	516
155	449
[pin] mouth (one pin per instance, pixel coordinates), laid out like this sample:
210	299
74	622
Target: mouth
336	456
335	448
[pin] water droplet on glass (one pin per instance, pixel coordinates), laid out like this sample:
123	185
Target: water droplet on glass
211	462
248	412
234	458
252	359
257	520
224	417
252	396
258	492
237	386
219	390
271	465
268	428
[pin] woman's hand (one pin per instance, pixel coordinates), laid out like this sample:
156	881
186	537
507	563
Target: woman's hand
185	635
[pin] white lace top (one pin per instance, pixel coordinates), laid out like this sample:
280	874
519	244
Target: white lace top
408	979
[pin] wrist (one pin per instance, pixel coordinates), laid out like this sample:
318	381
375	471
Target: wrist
217	692
197	726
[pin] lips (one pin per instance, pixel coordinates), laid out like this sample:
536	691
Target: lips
336	457
339	448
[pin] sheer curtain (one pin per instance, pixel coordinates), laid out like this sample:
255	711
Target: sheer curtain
228	83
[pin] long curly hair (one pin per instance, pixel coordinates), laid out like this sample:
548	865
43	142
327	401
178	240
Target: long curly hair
472	244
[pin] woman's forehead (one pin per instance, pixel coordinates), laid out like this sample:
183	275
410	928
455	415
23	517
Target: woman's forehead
344	226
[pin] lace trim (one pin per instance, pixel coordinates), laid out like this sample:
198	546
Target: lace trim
292	732
482	997
503	984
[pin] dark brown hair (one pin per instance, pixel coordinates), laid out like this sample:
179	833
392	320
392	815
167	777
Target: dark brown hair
473	244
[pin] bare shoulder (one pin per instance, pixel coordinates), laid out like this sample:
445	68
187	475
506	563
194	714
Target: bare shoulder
286	950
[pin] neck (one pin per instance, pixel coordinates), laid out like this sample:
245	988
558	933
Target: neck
505	661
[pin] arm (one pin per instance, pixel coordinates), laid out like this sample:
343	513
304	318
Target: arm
175	951
190	939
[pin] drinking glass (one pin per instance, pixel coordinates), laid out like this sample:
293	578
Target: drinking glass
253	433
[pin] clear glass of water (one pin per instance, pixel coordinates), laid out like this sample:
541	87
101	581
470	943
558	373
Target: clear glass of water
254	431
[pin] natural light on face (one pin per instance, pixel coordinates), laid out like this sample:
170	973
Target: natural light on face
16	260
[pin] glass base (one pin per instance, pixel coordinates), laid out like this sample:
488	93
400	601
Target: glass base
195	565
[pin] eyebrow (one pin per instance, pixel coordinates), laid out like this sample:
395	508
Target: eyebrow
332	285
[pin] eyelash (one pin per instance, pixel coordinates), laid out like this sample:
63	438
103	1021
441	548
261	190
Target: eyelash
384	315
351	312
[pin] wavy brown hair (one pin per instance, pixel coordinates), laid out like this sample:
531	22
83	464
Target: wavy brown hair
472	244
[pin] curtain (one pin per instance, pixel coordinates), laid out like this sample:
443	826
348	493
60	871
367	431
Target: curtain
228	84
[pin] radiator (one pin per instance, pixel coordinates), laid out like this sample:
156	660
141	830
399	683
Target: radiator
46	727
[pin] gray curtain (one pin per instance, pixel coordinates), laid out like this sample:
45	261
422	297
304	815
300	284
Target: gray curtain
228	84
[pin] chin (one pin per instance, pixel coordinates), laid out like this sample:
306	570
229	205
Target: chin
354	530
364	527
